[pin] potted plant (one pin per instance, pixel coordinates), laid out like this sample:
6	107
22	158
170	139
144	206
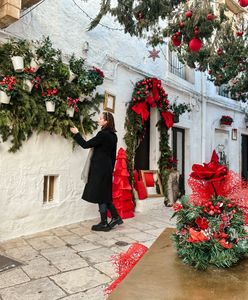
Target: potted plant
7	88
88	80
72	106
226	120
29	74
51	98
179	109
19	51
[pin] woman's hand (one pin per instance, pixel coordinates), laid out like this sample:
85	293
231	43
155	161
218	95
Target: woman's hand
74	130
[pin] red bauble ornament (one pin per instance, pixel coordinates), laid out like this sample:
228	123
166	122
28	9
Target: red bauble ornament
196	31
219	51
195	44
175	41
181	24
189	14
243	3
210	16
239	33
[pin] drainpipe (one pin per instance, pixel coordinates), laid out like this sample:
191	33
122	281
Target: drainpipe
203	119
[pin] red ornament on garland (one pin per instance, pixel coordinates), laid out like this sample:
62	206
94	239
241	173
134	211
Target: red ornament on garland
239	33
210	16
189	14
195	44
243	3
219	51
175	40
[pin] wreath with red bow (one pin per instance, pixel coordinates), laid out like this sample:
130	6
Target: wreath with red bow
148	93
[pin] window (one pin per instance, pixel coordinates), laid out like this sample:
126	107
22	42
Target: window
179	69
222	91
50	188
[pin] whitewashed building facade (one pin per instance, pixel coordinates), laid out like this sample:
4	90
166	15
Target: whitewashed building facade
124	60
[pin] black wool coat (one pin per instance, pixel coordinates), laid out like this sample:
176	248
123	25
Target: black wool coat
98	189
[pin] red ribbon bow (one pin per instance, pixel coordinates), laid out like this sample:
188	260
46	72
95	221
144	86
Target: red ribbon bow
141	109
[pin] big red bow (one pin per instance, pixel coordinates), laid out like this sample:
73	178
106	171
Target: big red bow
168	118
152	98
141	109
210	171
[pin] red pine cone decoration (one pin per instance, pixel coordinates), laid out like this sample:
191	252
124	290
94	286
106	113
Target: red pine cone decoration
195	44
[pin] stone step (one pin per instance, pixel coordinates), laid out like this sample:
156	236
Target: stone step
149	204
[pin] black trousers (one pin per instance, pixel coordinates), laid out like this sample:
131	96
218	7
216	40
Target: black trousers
108	206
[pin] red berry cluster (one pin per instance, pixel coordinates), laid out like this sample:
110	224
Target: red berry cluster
212	209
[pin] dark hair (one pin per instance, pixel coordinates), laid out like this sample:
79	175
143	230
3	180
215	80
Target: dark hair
110	121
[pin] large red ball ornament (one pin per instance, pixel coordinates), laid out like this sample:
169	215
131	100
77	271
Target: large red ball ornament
243	3
195	44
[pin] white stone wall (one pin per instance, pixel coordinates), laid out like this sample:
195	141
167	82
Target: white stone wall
124	60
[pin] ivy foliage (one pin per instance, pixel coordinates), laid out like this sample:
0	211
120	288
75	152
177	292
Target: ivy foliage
26	113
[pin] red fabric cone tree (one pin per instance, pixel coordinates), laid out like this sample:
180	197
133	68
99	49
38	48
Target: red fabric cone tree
122	191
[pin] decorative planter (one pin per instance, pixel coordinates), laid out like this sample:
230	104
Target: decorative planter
50	106
18	63
82	97
34	64
175	119
4	98
70	112
28	85
227	123
71	76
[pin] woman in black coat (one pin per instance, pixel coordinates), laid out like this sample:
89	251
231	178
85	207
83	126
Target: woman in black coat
98	189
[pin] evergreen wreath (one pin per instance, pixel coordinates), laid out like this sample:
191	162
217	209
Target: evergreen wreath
149	92
212	234
211	222
27	112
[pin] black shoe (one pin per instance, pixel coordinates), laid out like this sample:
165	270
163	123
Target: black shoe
101	227
115	221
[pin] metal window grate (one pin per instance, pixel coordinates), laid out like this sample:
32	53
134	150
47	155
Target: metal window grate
176	67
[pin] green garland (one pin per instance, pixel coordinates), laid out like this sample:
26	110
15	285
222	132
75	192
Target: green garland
212	234
229	64
135	126
137	17
26	112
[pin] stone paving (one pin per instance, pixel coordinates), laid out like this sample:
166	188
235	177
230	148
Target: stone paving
73	262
